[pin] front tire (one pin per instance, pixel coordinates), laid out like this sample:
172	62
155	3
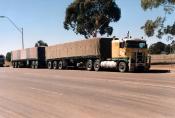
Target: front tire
122	67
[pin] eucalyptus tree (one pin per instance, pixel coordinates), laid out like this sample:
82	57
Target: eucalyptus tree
92	17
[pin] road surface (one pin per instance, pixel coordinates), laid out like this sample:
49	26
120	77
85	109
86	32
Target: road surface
27	93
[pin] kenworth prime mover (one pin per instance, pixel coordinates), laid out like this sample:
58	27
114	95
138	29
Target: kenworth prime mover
92	54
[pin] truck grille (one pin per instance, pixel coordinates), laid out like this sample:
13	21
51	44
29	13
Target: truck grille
139	57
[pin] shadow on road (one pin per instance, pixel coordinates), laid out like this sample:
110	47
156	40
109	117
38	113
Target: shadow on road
158	71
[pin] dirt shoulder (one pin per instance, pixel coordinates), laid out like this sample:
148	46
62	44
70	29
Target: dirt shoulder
164	67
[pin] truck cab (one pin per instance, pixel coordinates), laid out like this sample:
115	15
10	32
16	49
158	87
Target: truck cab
131	55
2	60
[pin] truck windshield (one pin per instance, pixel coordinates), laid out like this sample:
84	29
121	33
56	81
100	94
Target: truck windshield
136	44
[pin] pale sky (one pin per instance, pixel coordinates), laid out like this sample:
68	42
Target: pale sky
43	20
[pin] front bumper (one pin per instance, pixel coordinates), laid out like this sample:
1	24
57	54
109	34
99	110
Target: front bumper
139	67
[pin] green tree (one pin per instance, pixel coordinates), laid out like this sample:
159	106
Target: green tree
173	47
40	43
157	48
159	26
90	17
8	56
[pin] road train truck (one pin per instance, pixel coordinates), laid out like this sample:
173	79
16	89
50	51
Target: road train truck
92	54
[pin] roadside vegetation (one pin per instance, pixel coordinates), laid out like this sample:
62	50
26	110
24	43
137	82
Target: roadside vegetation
162	48
92	17
159	26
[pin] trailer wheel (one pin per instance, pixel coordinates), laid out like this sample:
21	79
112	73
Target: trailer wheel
97	65
36	65
33	64
49	65
18	65
89	65
55	65
122	67
60	65
13	64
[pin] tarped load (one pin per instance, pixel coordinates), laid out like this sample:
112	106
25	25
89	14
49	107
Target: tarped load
29	53
15	55
96	47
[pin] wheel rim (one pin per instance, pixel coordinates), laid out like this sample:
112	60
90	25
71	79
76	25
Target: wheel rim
89	65
122	66
49	65
97	65
60	65
33	64
13	65
36	64
18	65
55	65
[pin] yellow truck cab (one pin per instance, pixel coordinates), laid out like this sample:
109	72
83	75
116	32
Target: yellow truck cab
131	54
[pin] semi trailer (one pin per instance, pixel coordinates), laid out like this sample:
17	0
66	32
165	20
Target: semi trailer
30	57
2	60
92	54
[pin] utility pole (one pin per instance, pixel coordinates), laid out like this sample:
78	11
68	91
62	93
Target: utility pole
19	29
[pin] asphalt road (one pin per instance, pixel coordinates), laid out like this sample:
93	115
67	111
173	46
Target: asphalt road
27	93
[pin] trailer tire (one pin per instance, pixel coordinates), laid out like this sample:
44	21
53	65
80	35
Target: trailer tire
49	65
97	65
13	64
122	67
60	65
89	65
55	65
33	65
36	65
18	65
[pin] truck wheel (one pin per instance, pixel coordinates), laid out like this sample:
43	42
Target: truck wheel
49	65
36	65
97	65
122	67
55	65
89	65
18	64
13	64
60	65
33	64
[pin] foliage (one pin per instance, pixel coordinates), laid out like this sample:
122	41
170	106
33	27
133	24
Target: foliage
8	56
158	25
40	43
90	17
159	48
